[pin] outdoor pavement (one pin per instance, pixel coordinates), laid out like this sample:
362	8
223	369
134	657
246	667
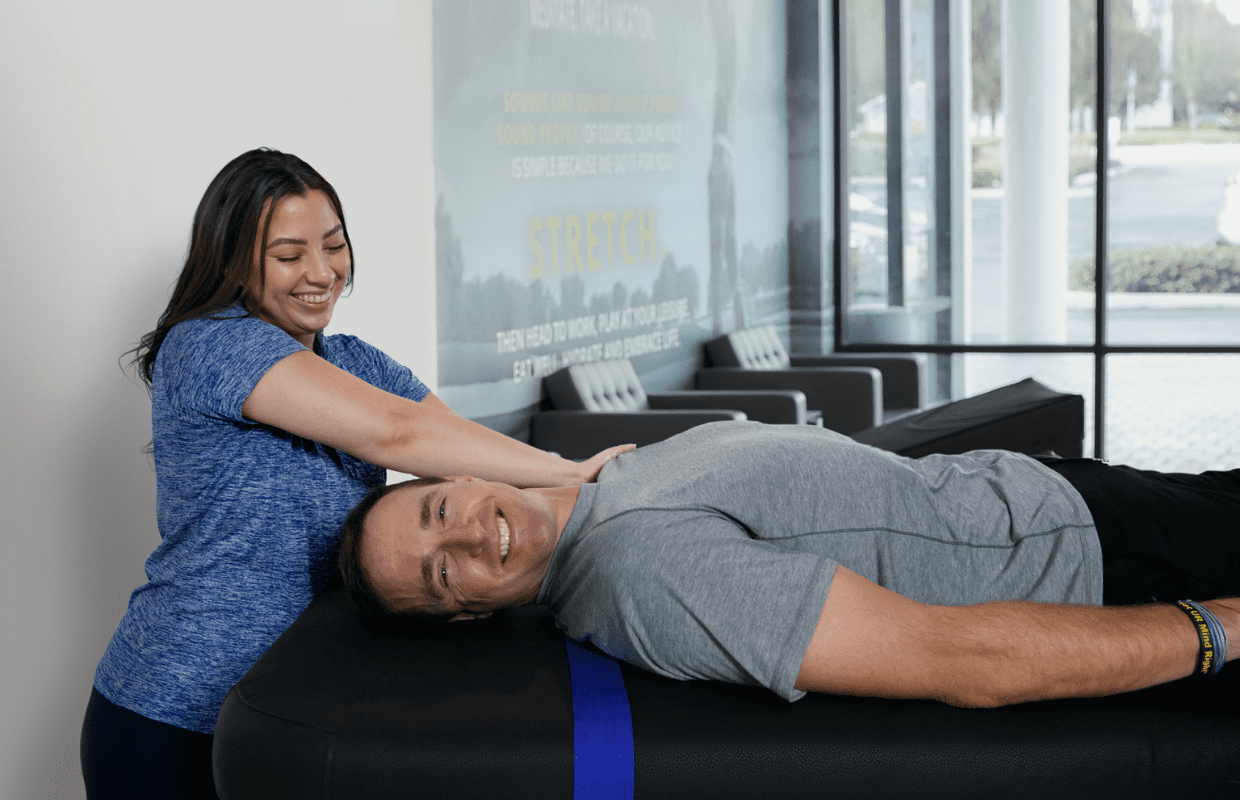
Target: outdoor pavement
1177	413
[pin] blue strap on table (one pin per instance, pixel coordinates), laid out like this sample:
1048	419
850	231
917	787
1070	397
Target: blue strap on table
602	726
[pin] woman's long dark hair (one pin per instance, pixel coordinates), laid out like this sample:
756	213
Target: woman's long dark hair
228	222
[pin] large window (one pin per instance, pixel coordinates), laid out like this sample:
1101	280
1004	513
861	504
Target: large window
974	223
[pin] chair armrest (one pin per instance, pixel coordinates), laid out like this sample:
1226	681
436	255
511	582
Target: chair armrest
904	374
850	398
786	407
581	434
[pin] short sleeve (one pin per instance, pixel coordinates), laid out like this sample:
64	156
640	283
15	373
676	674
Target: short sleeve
210	366
691	599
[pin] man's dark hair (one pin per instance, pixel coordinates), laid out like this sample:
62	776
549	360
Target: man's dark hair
353	571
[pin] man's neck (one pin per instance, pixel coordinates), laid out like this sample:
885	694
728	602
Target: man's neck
563	500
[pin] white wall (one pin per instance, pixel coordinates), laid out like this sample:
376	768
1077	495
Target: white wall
113	118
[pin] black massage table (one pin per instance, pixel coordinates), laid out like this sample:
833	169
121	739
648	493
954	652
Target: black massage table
506	708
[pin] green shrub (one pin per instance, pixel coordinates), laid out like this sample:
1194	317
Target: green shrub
1179	134
988	174
1165	269
1079	165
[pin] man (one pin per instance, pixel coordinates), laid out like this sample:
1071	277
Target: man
794	558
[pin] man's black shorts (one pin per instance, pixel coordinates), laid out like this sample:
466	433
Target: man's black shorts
1165	536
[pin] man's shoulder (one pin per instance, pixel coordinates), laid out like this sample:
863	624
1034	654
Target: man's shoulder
717	465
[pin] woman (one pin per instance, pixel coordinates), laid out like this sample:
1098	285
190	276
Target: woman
266	433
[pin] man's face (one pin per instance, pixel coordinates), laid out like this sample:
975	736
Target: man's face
461	547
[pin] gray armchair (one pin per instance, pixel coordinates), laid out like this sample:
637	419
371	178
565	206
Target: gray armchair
852	393
602	404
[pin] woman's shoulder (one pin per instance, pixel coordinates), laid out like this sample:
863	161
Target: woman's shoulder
371	364
346	346
232	323
351	352
344	341
226	341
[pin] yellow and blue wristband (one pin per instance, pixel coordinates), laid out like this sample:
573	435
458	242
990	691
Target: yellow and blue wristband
1210	632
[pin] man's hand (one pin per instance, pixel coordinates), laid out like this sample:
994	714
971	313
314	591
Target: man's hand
873	642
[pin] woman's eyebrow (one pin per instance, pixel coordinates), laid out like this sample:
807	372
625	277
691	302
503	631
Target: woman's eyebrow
285	240
290	240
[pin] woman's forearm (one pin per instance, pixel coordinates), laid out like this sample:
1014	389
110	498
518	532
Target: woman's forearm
309	397
437	441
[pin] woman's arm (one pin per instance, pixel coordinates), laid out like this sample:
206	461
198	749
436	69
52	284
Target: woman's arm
312	398
873	642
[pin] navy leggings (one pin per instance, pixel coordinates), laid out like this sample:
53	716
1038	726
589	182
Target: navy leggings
129	757
1165	536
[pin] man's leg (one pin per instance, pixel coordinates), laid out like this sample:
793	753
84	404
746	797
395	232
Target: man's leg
1165	536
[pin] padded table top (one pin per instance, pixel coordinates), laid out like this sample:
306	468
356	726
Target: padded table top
339	708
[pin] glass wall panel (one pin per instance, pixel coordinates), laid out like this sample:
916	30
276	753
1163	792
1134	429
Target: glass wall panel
1174	212
919	286
1031	174
1173	412
893	287
1018	278
866	95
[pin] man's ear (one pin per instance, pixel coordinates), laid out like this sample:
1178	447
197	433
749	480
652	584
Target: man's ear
463	616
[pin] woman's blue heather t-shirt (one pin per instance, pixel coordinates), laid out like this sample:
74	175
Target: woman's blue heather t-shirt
249	518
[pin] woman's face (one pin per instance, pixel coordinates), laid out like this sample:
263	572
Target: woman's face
307	262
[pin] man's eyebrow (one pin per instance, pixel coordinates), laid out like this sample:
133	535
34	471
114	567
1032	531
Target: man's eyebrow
290	240
428	569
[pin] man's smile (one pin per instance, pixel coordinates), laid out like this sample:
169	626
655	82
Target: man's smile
505	535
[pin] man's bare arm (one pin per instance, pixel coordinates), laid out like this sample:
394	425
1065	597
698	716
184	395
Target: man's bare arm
873	642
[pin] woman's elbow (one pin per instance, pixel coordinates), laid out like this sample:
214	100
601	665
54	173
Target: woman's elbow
395	435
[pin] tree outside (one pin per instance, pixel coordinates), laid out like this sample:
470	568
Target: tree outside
1206	62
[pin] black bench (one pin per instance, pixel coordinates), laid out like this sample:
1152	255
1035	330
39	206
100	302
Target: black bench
339	708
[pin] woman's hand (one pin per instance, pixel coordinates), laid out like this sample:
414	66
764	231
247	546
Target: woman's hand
591	468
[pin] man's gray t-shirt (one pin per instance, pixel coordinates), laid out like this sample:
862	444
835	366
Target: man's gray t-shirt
710	555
